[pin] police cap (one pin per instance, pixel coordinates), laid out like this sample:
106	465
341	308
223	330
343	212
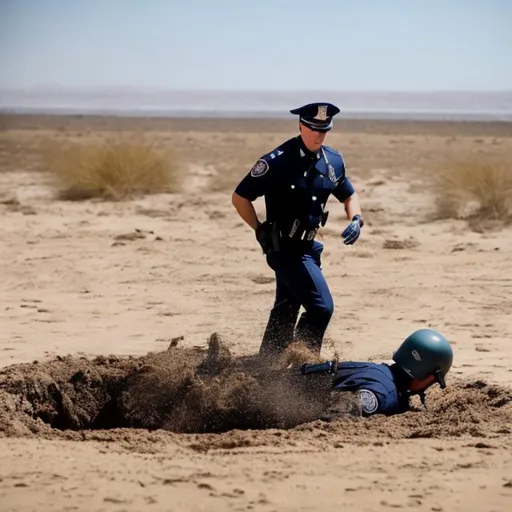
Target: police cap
317	116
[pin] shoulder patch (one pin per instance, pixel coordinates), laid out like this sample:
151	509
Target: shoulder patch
369	402
259	168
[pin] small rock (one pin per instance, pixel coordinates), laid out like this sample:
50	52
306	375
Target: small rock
130	236
407	243
9	199
261	279
175	341
27	210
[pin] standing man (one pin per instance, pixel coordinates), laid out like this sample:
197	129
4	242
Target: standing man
296	179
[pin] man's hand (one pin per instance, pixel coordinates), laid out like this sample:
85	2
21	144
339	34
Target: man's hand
353	230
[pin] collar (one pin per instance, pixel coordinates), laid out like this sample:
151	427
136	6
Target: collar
305	152
400	378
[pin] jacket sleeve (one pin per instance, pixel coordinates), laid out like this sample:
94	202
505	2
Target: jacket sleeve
343	190
256	182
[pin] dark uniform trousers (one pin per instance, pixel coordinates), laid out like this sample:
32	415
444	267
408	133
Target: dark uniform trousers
299	281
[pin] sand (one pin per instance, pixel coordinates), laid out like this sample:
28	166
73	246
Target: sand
94	293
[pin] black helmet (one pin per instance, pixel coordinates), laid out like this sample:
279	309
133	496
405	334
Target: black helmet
424	353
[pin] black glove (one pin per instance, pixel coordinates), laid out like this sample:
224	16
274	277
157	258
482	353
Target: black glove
267	235
353	230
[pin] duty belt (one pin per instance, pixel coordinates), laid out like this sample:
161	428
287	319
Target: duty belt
296	233
304	234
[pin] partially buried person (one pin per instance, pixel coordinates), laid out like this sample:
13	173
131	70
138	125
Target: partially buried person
422	360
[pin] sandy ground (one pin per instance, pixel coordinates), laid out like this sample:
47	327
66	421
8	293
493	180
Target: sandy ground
125	278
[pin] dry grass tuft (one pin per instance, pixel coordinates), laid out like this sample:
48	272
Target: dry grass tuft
476	189
113	169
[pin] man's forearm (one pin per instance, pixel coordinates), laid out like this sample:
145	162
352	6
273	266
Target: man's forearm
352	206
246	210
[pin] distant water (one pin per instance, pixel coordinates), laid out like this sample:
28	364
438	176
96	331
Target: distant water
493	106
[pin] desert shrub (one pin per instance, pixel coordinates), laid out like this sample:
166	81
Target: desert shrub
478	187
114	169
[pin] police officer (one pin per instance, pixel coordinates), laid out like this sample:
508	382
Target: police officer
423	359
296	180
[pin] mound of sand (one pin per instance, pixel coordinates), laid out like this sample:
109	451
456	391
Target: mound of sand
180	390
210	391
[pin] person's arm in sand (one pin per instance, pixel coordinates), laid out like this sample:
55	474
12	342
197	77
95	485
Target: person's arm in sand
246	210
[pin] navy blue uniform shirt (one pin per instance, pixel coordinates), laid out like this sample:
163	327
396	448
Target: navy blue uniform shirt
296	184
376	385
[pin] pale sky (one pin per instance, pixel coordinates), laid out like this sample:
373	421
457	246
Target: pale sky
366	45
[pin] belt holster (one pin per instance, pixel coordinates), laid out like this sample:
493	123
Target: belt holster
269	237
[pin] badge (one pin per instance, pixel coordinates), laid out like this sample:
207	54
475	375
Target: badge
416	355
295	226
331	173
260	168
322	113
369	402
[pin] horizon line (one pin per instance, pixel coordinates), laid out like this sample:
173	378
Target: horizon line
145	88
